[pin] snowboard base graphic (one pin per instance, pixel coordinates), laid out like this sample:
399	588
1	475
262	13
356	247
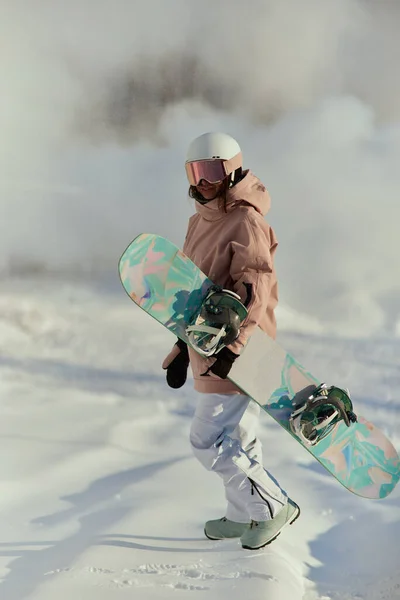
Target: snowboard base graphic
167	285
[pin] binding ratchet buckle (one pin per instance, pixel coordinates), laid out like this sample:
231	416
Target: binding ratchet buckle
320	413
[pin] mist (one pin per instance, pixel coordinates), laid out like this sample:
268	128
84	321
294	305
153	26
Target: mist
100	98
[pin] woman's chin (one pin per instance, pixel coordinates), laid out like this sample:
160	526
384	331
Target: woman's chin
208	194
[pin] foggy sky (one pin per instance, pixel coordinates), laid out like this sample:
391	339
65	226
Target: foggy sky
100	98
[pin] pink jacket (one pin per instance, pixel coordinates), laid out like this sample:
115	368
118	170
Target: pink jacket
236	251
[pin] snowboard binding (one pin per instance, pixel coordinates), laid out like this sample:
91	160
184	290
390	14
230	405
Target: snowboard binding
218	322
315	419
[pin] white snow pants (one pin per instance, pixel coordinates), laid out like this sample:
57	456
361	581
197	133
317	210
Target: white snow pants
223	438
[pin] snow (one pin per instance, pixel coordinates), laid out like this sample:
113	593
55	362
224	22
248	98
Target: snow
100	495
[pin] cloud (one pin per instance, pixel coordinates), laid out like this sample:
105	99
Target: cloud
99	100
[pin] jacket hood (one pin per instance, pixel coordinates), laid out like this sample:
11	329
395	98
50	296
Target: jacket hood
249	190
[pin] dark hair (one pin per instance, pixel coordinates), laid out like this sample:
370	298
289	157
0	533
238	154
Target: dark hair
222	198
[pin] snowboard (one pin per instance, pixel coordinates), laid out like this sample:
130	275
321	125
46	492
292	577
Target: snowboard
168	286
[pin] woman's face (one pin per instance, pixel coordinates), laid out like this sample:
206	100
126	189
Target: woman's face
208	190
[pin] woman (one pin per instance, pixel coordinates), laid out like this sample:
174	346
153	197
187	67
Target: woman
230	241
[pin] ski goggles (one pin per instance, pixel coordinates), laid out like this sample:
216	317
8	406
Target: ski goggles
213	170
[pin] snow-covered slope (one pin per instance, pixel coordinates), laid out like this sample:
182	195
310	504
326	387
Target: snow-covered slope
100	496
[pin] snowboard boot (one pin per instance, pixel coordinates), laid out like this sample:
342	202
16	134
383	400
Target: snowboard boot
221	529
261	533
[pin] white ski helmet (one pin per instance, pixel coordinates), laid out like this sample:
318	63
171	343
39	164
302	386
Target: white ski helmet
212	156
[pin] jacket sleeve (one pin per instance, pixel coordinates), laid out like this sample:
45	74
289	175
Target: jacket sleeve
252	273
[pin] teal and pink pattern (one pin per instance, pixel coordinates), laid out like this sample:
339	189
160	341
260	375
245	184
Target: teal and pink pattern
160	279
165	283
360	456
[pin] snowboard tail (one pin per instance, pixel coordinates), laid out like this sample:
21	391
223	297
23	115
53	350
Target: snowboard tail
167	285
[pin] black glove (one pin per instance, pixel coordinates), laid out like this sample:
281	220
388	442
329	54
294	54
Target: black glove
177	369
223	363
